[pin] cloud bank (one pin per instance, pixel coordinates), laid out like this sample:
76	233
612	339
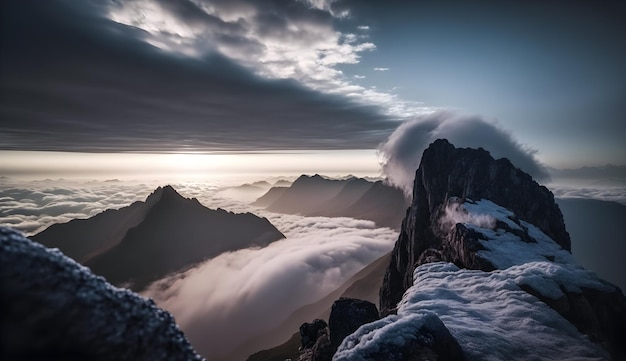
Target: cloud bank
247	292
402	151
223	302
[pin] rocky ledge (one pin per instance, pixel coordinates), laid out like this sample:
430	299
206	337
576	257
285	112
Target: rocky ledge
52	308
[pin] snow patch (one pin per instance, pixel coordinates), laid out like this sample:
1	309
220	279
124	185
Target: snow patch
379	339
456	212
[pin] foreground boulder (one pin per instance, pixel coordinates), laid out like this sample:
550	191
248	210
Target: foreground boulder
346	316
52	308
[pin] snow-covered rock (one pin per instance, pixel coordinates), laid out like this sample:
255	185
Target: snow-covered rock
484	249
501	314
52	308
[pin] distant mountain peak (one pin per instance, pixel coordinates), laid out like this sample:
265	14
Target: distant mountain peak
167	232
165	194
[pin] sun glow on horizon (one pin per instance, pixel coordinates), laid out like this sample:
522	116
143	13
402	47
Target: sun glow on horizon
30	164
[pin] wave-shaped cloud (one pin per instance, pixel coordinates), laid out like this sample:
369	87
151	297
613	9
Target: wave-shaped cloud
402	151
246	292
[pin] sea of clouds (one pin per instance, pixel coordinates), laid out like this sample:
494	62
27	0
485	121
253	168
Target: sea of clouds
232	297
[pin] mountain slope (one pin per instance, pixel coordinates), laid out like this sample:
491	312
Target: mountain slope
306	195
176	233
351	191
383	204
82	239
55	309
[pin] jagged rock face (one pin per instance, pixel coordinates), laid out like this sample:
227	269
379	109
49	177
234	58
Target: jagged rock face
346	316
446	172
53	308
485	238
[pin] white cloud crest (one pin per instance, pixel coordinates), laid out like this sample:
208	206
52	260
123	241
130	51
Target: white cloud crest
402	151
298	42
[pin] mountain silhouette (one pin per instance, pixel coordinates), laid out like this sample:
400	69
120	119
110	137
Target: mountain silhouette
349	197
168	233
82	239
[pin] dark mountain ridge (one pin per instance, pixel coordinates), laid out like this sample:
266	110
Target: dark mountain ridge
350	197
168	233
77	240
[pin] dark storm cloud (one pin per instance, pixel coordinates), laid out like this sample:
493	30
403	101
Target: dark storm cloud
72	79
403	150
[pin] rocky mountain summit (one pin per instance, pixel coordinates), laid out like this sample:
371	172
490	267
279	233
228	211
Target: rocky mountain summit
484	251
446	174
145	241
52	308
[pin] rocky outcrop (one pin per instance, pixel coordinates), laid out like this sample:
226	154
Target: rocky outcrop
315	345
446	172
310	332
55	309
346	316
477	213
319	340
164	234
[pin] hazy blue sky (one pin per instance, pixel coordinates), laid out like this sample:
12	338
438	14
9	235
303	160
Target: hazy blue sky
244	75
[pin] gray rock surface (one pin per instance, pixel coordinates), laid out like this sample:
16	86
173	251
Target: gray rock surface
52	308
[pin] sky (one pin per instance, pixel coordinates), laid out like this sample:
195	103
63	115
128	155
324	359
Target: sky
321	77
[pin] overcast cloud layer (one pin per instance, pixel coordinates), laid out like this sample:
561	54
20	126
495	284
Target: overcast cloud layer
403	149
181	75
